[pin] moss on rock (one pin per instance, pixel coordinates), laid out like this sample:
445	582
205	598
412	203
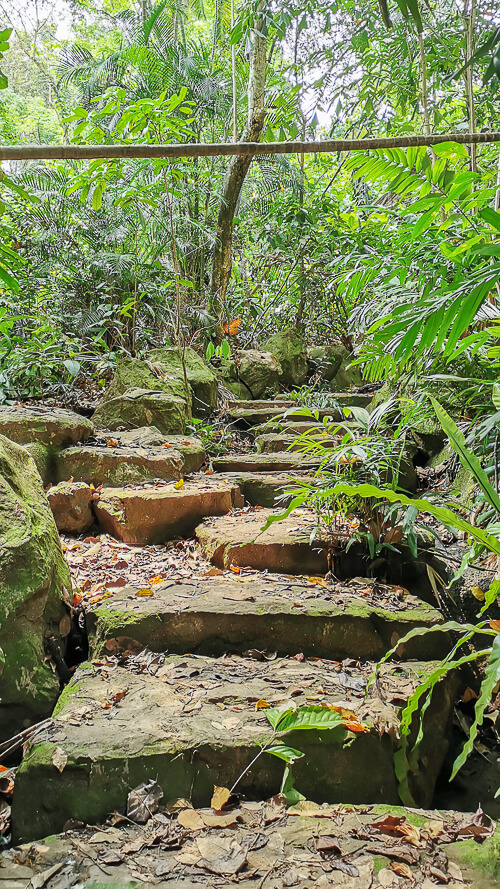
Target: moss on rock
251	373
33	575
143	407
201	377
289	347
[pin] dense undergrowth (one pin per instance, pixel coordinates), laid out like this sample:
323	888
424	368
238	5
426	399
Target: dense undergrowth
393	253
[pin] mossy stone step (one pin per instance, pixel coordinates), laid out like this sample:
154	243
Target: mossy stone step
117	466
284	547
194	723
223	613
278	442
287	851
154	514
46	425
251	415
267	488
283	461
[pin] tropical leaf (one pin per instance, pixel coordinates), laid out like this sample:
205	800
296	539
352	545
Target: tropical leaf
467	458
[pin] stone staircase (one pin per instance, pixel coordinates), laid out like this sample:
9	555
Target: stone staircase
182	672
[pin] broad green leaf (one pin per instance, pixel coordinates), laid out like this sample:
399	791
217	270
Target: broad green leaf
289	754
9	280
307	717
291	795
72	366
491	217
449	518
467	458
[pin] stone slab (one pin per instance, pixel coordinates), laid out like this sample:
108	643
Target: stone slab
278	462
224	613
267	488
117	466
71	505
192	723
47	425
147	515
271	842
252	416
190	448
278	442
239	540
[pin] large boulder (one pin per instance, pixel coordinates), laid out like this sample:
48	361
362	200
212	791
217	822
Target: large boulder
33	577
289	347
49	426
202	379
251	373
132	373
143	407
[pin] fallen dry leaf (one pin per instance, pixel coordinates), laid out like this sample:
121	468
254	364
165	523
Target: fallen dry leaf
220	798
191	820
59	759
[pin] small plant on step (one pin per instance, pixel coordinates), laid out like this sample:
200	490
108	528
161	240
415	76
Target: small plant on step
312	717
362	449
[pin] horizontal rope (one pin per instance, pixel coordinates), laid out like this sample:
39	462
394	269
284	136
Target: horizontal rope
216	149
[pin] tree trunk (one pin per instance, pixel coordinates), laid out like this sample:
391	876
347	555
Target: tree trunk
235	176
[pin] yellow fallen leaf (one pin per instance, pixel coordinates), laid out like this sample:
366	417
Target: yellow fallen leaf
190	819
319	580
178	485
220	797
478	593
144	592
262	705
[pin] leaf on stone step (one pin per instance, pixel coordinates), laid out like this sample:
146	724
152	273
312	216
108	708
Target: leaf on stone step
144	592
213	572
224	857
307	809
320	581
59	759
143	801
220	798
480	827
262	705
191	820
159	578
221	819
327	845
397	825
180	484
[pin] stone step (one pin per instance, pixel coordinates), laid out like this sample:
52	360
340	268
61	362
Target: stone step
253	413
267	488
266	844
284	461
240	541
50	426
192	723
278	442
250	415
289	427
223	613
146	515
115	466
